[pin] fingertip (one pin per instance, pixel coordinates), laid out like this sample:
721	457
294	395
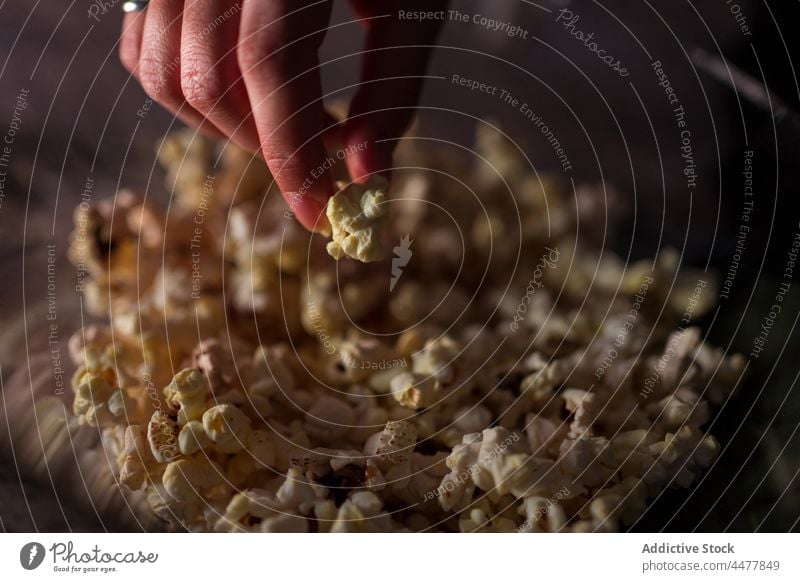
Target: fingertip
310	211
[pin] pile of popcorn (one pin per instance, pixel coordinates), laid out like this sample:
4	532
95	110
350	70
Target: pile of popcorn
500	373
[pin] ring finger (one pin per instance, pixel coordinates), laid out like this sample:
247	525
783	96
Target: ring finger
211	80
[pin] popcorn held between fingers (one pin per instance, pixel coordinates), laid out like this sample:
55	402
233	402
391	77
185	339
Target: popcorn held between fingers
357	214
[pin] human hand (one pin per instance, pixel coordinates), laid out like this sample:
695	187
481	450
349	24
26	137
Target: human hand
249	71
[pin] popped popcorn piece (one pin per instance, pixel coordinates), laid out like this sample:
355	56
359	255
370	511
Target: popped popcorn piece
325	512
261	448
284	523
393	445
589	460
192	437
186	478
162	435
296	493
244	175
134	468
414	390
682	407
437	359
455	491
247	510
92	389
603	509
473	419
120	404
361	513
187	157
357	214
187	394
425	474
685	452
544	435
357	358
542	514
329	418
584	408
270	374
503	159
719	372
483	517
86	345
226	426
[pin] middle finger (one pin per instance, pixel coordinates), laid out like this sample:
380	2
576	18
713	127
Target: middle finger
160	62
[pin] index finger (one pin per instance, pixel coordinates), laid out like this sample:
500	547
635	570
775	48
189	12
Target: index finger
278	56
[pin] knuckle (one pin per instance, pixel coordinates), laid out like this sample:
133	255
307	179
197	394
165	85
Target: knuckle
159	78
202	87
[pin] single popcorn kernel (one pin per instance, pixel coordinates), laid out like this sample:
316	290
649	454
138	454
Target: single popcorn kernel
91	389
394	444
437	359
162	434
187	393
415	391
188	385
192	437
134	471
185	479
177	480
260	447
225	424
357	215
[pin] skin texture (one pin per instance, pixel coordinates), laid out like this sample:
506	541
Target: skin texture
248	71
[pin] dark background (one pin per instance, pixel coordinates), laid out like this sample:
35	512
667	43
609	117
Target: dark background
82	121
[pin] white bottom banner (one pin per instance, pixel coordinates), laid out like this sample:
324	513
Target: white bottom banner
390	557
